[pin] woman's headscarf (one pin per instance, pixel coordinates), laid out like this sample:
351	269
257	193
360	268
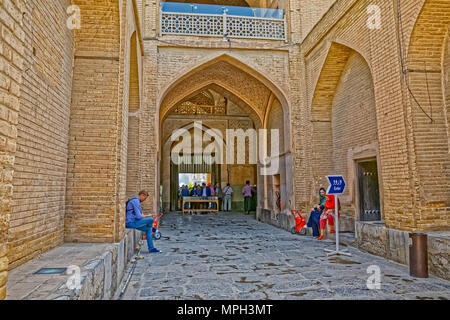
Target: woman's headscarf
322	199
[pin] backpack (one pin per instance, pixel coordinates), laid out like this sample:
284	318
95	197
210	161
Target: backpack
126	204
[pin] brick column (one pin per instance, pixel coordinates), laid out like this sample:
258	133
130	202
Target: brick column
11	67
94	159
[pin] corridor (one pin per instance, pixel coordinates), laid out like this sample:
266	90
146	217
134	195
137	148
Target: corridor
233	256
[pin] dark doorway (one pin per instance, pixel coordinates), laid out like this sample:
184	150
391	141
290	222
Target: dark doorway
369	193
194	167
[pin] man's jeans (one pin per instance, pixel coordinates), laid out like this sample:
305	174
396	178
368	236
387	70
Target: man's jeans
247	204
227	204
146	225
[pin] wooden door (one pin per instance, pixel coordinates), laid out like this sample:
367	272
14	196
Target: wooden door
369	193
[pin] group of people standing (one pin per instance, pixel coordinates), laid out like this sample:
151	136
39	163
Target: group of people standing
224	195
323	213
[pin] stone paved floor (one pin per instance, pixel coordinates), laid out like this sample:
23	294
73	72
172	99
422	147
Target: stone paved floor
232	256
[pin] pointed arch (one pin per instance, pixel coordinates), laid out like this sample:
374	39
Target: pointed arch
343	120
188	127
427	72
242	84
209	61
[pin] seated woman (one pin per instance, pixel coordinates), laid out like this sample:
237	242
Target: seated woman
314	218
327	215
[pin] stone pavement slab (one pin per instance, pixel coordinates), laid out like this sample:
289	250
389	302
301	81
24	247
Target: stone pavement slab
233	256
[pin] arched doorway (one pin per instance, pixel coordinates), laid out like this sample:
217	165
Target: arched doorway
229	96
194	168
344	134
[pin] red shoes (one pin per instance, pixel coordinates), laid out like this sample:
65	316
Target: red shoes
320	238
332	231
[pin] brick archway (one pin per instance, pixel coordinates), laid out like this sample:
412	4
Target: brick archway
344	125
249	89
168	145
236	67
428	69
219	86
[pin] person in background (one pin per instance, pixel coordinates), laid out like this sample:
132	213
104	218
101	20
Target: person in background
205	193
314	218
228	193
247	191
218	193
212	191
185	193
136	220
196	192
180	197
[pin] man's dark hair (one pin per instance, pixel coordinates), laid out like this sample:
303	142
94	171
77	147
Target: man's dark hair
228	184
247	182
323	190
143	192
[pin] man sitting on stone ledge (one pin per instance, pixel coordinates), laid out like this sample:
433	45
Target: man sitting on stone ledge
135	219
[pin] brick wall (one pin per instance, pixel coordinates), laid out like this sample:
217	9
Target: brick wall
12	38
446	83
98	124
311	12
133	183
37	213
412	154
354	122
276	121
132	175
425	59
321	112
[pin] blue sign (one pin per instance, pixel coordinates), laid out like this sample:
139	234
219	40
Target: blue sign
337	185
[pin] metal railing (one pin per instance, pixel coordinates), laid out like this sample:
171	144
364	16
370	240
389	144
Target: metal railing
224	25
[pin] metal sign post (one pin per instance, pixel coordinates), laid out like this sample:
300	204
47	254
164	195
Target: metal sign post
337	187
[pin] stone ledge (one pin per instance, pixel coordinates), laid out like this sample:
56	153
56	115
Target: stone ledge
286	221
392	244
376	239
102	269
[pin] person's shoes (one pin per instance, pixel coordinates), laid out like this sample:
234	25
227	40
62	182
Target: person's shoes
332	231
320	238
154	250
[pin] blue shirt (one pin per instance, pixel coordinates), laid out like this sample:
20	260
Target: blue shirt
185	192
134	211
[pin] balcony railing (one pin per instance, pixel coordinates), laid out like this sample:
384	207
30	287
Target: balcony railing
203	20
